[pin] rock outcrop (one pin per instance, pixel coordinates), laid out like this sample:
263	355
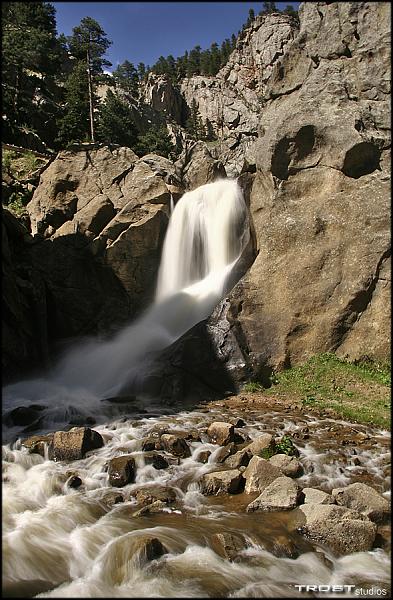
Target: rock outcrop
320	199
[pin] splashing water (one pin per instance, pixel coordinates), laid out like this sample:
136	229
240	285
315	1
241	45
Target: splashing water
207	233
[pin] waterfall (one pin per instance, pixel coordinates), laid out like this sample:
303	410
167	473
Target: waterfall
207	233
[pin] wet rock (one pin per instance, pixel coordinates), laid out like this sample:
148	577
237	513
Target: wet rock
73	444
259	474
147	548
240	459
150	443
282	494
112	498
203	456
238	423
283	547
241	438
228	545
23	415
263	446
221	433
365	499
224	452
222	482
156	460
121	471
289	465
175	445
158	506
36	444
148	495
341	529
314	496
74	482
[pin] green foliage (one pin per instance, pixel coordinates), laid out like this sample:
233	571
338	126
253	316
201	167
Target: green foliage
89	43
155	140
194	124
127	78
73	126
358	390
267	453
253	386
285	446
116	124
268	7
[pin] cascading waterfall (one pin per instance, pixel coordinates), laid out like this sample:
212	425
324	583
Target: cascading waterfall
207	233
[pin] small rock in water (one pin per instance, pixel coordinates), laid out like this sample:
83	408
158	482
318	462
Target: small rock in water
222	482
150	494
203	456
36	443
175	445
155	507
224	452
228	545
314	496
289	465
74	482
150	443
282	494
264	444
23	415
156	460
121	471
239	459
221	433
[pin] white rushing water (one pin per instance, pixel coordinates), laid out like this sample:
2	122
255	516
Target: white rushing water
207	233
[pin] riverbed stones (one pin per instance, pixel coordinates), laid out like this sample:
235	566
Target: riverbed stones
241	458
121	470
365	499
150	494
282	494
37	444
263	446
314	496
259	474
228	545
73	444
339	528
225	451
221	433
175	445
289	465
222	482
203	456
156	460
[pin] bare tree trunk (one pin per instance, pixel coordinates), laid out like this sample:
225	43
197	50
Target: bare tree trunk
90	98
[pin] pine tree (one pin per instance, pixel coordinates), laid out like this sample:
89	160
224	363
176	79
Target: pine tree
74	124
31	57
141	70
155	140
126	77
116	124
289	10
251	17
210	135
194	124
89	43
268	7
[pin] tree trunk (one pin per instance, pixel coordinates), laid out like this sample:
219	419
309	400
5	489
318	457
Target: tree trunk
90	98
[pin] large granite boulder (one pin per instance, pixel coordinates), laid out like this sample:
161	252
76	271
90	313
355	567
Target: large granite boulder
363	498
320	199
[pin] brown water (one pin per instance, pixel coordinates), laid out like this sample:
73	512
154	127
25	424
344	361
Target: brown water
63	542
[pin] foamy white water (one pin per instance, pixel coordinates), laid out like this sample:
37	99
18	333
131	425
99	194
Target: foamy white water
207	233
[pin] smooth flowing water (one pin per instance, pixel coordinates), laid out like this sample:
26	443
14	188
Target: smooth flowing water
64	542
207	233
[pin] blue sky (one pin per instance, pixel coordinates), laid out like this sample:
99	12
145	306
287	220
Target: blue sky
142	31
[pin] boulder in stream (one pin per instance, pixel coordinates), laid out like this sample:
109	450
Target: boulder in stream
365	499
222	482
282	494
73	444
289	465
36	444
121	470
259	474
314	496
175	445
339	528
221	433
228	545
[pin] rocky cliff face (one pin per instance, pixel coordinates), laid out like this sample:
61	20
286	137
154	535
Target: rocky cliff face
304	114
320	198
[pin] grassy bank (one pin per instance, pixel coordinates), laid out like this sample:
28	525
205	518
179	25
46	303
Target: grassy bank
357	392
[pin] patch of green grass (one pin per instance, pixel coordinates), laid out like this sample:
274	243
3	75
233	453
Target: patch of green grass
285	446
358	391
253	386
